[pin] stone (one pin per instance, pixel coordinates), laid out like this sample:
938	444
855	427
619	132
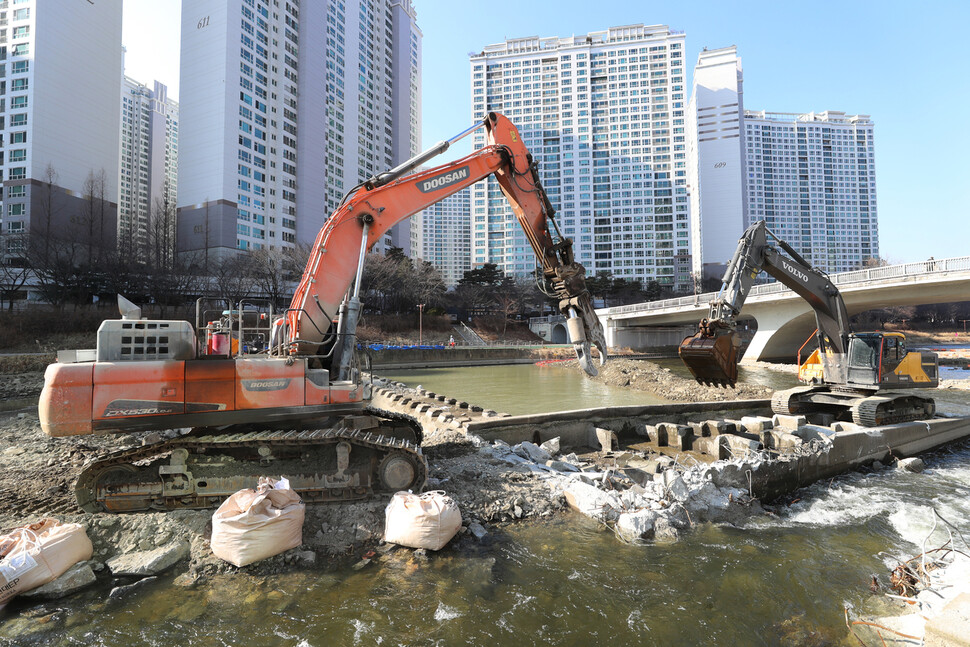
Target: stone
441	398
13	451
74	579
605	439
914	464
462	405
123	591
476	408
477	530
307	557
148	562
846	426
788	422
633	526
532	451
430	394
489	413
551	446
561	466
675	486
756	424
591	501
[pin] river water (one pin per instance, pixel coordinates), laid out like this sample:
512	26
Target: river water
781	580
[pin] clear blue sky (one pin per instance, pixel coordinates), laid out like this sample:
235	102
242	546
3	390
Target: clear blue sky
900	62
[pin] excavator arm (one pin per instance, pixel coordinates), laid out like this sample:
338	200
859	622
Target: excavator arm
330	284
712	353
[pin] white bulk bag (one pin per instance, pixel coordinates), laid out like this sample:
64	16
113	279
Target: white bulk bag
426	520
255	524
38	553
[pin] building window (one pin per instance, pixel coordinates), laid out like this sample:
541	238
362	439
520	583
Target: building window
16	209
18	137
18	85
18	102
15	227
20	50
21	14
16	191
21	32
18	155
20	67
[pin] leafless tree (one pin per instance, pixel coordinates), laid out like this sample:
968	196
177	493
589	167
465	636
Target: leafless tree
161	245
94	214
48	209
14	268
233	278
268	267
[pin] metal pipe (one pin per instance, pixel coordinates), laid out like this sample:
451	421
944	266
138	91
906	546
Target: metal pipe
360	261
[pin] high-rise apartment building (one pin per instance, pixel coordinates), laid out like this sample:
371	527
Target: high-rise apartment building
715	161
148	178
604	115
811	178
59	123
441	236
286	106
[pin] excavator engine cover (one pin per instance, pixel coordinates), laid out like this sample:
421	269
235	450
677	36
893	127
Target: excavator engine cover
712	359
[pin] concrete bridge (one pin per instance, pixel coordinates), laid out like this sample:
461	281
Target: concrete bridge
784	319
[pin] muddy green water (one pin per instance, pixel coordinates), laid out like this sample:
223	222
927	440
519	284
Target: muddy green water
780	580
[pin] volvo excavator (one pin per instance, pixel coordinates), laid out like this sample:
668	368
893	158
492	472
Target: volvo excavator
849	375
289	398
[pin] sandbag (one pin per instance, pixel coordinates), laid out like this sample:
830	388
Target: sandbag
38	553
255	524
426	520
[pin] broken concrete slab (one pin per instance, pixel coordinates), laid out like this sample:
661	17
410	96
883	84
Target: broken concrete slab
756	424
951	628
736	446
591	501
708	445
634	526
532	451
148	562
914	464
605	439
552	446
809	433
781	441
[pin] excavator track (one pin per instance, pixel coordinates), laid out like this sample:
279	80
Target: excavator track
876	410
789	402
201	471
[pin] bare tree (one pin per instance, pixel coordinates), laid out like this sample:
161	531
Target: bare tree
160	241
48	209
14	268
94	214
234	279
268	267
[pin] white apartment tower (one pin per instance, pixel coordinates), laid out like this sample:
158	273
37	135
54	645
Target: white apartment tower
59	123
148	179
715	161
441	236
604	116
811	178
285	107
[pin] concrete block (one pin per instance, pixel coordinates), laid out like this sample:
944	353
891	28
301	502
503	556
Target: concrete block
669	434
552	446
696	429
633	526
716	428
452	401
148	562
422	407
441	398
591	501
707	445
735	446
445	417
682	438
649	432
781	441
788	422
605	439
756	424
434	412
462	405
913	464
476	408
846	426
809	433
951	627
430	394
822	419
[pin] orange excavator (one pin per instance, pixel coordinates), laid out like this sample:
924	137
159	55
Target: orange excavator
295	404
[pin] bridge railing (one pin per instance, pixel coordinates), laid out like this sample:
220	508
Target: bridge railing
919	268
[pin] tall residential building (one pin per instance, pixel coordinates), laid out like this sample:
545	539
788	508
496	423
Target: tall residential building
715	161
441	236
604	115
148	180
286	106
59	123
811	177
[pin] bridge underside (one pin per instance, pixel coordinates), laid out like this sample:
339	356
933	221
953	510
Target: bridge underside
784	321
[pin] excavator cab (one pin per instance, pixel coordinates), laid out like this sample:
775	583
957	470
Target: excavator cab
711	354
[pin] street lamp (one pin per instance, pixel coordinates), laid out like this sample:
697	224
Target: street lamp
420	323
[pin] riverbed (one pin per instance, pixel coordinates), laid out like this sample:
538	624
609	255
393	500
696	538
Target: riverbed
780	580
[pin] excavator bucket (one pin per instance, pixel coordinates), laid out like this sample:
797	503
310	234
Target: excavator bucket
712	360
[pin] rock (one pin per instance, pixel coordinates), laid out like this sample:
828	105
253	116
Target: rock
591	501
123	591
561	466
877	465
788	422
13	451
531	451
914	464
307	557
664	530
489	413
756	424
675	486
632	526
74	579
551	446
477	530
148	562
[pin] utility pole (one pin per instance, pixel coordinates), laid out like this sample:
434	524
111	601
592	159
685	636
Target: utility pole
420	323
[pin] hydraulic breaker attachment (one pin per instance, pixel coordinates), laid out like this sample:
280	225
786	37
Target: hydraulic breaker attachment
585	332
712	355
